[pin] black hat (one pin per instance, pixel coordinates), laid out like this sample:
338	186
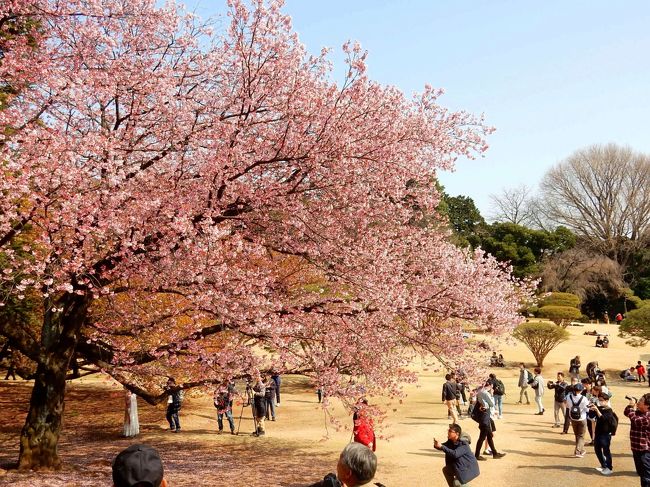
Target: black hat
138	464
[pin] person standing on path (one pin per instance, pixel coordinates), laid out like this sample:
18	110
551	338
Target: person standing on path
222	399
278	380
560	391
270	397
538	384
640	371
524	377
574	367
449	397
131	422
259	405
173	406
639	414
606	425
498	391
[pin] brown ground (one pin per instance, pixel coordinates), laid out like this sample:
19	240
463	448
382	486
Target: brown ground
295	451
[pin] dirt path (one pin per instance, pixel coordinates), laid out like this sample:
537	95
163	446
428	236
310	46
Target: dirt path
295	451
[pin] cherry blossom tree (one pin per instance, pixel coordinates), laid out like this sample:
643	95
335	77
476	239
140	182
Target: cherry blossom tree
204	205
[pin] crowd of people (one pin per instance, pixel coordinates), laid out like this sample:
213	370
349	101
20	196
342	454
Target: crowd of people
581	404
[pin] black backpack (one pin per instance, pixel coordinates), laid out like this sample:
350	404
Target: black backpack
499	388
477	412
574	412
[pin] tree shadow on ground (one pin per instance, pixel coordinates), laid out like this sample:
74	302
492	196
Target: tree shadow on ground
91	439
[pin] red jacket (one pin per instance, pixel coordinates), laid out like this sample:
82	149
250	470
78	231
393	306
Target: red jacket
364	432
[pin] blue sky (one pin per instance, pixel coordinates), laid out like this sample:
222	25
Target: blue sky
551	76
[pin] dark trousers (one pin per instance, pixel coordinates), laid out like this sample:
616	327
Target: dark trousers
642	464
231	421
590	428
485	433
277	391
172	418
567	420
601	448
270	407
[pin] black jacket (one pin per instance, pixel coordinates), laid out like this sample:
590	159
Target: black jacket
561	390
449	391
607	422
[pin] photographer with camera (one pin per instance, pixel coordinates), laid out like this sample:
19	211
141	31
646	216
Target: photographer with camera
537	383
561	388
606	424
460	464
639	413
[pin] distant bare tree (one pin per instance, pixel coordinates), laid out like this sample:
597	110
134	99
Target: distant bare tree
583	273
602	193
512	205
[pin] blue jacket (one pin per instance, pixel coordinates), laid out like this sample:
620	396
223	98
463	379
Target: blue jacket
460	457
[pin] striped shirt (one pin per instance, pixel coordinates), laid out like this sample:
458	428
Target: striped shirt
639	429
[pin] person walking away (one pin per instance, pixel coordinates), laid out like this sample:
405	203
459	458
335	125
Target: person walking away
173	406
223	402
574	367
498	391
538	384
560	391
278	381
578	408
606	425
640	371
461	466
639	414
449	397
524	377
131	422
481	414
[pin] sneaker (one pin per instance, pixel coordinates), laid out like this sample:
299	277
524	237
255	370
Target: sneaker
606	471
220	432
600	469
481	458
487	451
519	402
528	403
499	455
539	414
233	433
500	416
580	455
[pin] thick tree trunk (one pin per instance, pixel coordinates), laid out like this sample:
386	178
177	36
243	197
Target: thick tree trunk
40	435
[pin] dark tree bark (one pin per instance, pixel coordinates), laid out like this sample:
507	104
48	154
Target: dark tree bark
40	435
